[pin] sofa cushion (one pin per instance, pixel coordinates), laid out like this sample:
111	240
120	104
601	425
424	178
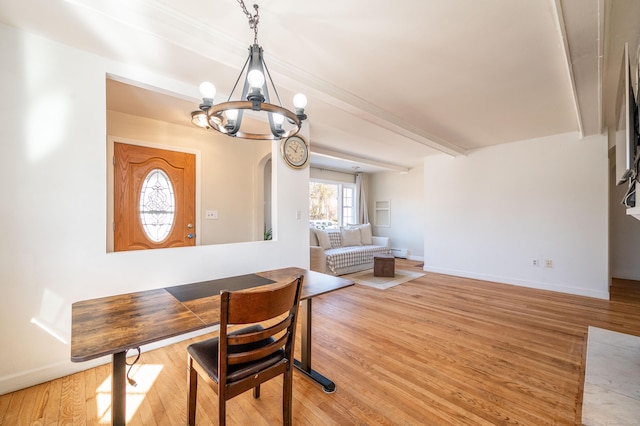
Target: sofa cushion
366	234
323	239
348	256
351	237
313	238
335	239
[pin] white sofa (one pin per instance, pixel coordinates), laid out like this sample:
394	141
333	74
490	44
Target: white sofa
346	250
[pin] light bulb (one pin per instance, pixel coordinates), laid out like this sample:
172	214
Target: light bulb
199	118
300	101
207	90
278	119
231	114
255	78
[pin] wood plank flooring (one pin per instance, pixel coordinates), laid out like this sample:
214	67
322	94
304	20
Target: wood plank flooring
437	350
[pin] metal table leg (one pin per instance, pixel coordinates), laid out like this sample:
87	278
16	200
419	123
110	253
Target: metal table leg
304	365
119	389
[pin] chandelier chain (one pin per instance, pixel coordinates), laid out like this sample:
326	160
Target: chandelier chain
253	19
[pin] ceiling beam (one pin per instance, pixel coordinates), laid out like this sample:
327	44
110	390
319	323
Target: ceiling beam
567	61
324	152
583	59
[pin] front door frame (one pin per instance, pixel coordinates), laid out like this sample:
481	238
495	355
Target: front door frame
110	174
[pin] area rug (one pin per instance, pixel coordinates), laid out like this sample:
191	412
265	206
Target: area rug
383	283
612	379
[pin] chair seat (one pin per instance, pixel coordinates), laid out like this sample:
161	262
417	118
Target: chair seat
206	354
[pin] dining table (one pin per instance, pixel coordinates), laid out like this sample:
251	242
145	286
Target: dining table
112	325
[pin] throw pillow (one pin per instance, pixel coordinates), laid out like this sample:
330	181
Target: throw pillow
323	239
366	235
335	238
351	237
313	239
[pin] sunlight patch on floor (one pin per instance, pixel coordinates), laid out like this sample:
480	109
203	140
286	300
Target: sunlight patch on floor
144	376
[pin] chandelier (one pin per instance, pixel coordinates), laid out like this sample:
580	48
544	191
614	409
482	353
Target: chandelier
226	117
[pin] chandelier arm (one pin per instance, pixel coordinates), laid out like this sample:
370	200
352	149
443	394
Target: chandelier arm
238	80
271	80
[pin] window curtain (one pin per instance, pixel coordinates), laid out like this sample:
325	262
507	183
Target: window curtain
361	190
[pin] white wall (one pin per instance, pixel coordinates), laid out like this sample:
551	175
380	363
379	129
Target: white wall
53	213
405	192
489	214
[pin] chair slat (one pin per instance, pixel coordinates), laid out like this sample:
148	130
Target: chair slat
242	338
247	307
258	353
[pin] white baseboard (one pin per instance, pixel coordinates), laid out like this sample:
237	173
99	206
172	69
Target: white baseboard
520	282
25	379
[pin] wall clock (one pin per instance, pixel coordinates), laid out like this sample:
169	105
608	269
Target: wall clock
295	152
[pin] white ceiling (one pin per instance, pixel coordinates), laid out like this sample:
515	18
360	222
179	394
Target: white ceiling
388	83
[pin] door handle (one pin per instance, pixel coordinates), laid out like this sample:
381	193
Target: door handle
189	235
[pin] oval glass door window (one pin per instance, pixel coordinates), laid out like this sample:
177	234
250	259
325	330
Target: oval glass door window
157	205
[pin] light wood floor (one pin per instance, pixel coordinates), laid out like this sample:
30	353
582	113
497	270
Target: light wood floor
437	350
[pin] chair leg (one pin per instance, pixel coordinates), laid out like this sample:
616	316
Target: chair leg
192	384
222	409
287	396
256	392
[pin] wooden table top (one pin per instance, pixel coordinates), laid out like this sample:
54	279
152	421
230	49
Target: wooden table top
113	324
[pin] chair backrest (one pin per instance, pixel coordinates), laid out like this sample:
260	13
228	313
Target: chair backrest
277	306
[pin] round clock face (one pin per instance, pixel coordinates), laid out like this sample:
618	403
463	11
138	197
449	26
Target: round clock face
295	152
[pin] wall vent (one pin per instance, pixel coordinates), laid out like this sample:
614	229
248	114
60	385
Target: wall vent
400	252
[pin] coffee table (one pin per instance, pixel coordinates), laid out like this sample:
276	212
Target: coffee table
384	265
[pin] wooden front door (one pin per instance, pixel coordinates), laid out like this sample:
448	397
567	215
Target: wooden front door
154	198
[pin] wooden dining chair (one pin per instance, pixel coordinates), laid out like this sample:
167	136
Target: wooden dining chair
237	361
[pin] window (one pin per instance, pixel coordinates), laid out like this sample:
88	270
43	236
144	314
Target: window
349	204
332	204
157	205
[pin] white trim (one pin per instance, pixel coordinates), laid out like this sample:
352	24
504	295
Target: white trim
24	379
521	283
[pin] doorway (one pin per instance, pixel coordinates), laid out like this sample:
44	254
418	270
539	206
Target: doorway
154	198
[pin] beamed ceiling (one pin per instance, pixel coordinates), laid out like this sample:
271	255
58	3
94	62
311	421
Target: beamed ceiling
388	83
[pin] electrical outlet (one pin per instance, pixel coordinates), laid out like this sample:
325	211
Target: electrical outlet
211	214
534	262
548	263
